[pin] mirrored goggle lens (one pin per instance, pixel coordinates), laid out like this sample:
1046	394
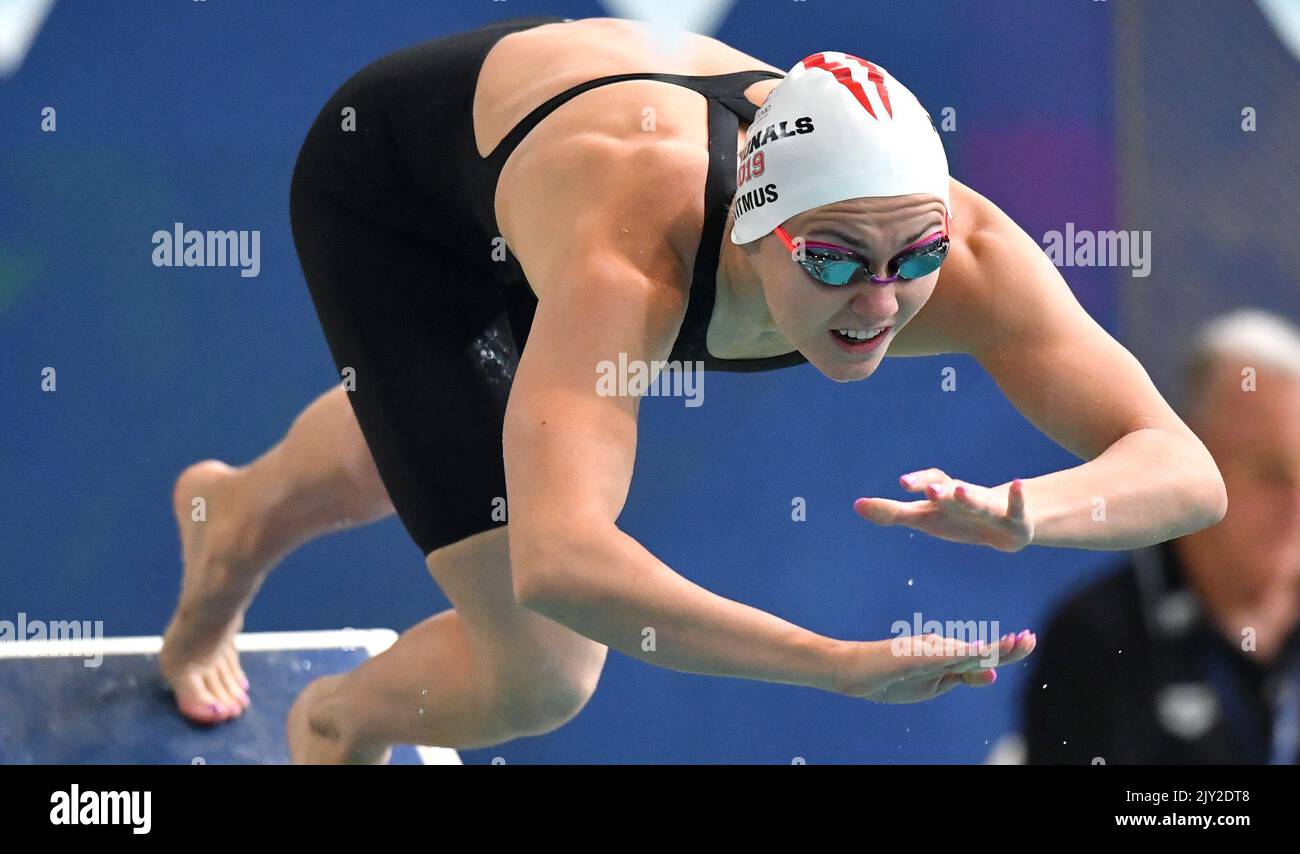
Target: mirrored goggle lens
837	272
924	264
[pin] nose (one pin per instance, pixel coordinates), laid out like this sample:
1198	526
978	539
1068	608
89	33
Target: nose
875	301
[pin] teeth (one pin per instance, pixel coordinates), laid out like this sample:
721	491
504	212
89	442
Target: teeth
860	334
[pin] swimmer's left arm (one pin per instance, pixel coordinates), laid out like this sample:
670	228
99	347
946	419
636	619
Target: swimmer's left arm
1147	477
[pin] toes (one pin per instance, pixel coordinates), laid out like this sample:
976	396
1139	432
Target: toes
233	690
196	702
228	705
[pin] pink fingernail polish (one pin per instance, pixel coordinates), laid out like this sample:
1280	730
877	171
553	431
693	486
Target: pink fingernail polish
995	677
243	682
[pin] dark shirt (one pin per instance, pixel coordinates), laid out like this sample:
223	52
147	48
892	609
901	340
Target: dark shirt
1130	671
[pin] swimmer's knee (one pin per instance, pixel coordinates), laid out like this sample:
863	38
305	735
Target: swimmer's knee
546	700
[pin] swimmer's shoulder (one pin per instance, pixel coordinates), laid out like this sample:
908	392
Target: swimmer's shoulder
621	166
635	196
960	307
527	68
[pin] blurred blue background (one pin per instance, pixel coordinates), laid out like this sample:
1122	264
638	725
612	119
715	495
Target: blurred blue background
194	111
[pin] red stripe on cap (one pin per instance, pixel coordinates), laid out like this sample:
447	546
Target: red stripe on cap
844	75
875	76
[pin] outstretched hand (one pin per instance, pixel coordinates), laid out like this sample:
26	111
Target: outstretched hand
957	510
912	669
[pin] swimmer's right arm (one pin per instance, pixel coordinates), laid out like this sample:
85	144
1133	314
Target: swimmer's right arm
606	233
569	455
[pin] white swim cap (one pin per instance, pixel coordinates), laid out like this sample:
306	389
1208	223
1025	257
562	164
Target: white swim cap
836	127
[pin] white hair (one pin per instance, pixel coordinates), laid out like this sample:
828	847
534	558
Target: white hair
1261	338
1259	335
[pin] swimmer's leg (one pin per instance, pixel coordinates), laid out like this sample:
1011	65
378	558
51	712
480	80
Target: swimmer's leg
486	672
237	523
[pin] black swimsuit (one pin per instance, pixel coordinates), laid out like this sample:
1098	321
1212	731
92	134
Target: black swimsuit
424	310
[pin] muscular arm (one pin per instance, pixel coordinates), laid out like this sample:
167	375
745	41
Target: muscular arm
1147	478
617	286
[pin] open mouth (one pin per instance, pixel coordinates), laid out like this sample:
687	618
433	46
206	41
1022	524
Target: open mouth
859	340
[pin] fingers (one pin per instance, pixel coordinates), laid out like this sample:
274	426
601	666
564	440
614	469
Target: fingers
1025	643
1010	648
918	480
884	511
939	487
981	678
973	662
966	496
1019	646
1016	499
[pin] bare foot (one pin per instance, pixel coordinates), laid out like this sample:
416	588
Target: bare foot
198	656
316	728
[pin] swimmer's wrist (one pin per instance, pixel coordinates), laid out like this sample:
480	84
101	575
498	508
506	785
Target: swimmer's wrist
844	660
809	660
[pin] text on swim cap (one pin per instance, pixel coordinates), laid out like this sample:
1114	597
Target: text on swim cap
750	167
762	136
755	198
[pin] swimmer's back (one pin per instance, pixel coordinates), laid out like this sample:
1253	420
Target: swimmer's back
618	159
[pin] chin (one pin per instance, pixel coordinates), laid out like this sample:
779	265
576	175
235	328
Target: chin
842	371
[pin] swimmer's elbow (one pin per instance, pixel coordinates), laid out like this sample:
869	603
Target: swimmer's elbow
1205	498
537	585
1216	498
549	572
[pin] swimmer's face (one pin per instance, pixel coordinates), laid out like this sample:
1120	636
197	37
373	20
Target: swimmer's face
809	313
